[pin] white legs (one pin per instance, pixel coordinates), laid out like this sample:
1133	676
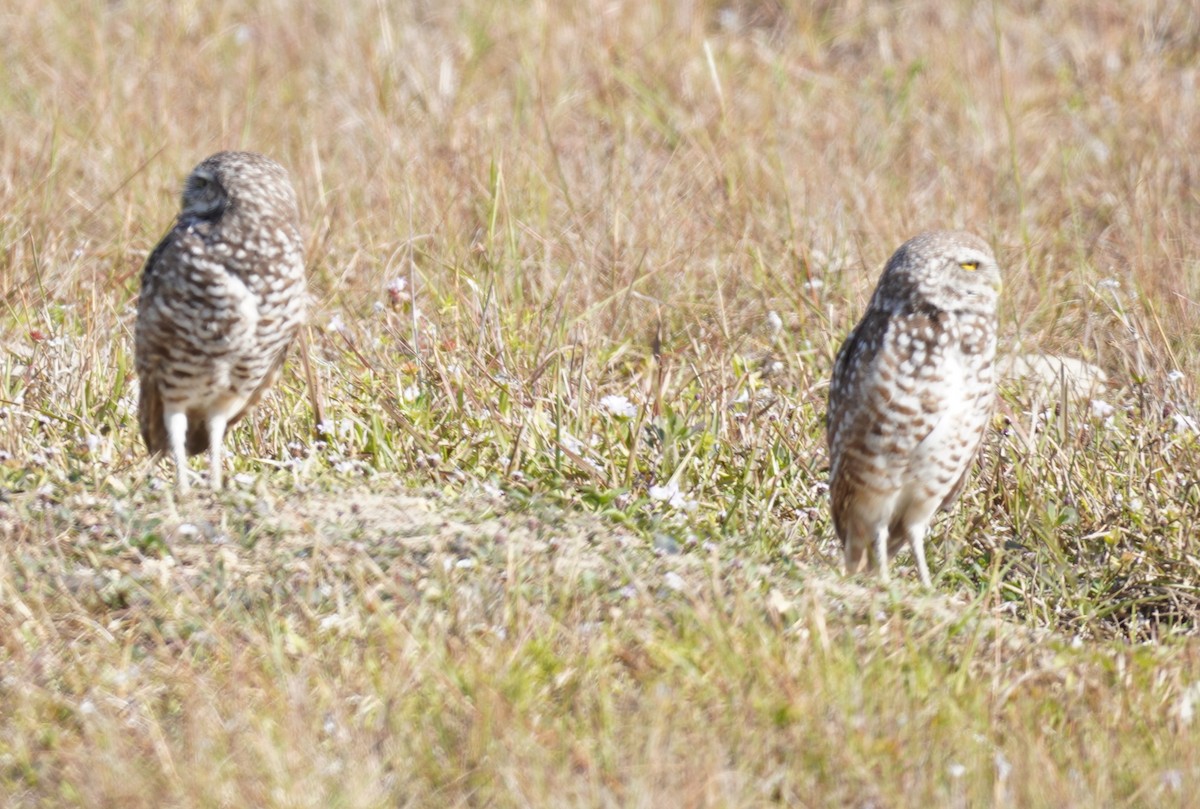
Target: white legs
861	556
881	555
916	538
176	424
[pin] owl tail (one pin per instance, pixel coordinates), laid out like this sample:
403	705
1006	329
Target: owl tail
197	436
150	419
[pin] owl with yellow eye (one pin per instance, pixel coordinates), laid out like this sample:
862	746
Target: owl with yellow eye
912	392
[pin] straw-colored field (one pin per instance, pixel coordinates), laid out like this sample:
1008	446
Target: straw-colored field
559	532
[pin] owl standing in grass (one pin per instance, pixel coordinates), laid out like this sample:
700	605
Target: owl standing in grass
222	297
911	395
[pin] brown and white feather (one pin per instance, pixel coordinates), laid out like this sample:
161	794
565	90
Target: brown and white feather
911	395
222	297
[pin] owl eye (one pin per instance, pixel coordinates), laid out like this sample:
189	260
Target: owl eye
969	266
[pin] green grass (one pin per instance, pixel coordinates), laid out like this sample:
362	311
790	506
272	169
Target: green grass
550	528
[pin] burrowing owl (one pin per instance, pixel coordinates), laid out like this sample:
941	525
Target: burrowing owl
912	392
222	297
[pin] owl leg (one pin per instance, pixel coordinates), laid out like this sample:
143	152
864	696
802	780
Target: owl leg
916	538
176	423
881	552
216	439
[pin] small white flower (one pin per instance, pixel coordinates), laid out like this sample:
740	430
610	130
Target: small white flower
774	322
378	307
410	393
333	622
1175	376
325	427
1185	707
344	467
396	285
1184	424
336	324
671	495
664	492
571	443
1173	780
674	581
619	405
1003	767
1102	409
814	284
956	770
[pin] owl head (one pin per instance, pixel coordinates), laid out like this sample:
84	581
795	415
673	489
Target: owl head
951	270
238	182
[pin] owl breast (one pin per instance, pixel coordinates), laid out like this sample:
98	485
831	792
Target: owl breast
914	413
957	407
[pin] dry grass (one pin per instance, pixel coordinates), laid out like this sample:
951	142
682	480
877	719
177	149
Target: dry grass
464	581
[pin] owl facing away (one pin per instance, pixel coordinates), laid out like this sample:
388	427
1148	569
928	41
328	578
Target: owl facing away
222	297
911	395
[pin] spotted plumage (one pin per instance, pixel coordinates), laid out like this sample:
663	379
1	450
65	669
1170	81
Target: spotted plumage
911	395
222	297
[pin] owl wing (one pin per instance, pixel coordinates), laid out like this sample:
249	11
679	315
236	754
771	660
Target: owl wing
284	314
146	361
267	381
857	353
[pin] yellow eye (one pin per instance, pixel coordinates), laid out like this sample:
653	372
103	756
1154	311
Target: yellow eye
969	266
